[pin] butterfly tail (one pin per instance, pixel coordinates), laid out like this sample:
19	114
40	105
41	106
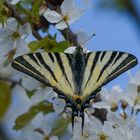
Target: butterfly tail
82	117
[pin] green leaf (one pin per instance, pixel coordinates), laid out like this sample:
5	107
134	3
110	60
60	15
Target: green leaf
55	35
61	46
60	127
3	12
49	45
34	45
27	117
36	6
5	97
1	5
30	93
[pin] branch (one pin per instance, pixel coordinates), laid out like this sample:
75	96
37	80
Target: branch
20	19
70	36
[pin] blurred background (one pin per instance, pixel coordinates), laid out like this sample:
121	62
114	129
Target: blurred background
116	24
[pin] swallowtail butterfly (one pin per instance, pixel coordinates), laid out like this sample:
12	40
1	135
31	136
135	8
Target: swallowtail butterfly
77	77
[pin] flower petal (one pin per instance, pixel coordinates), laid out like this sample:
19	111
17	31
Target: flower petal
30	83
25	29
58	105
11	24
52	16
75	14
67	6
71	49
61	26
21	48
43	94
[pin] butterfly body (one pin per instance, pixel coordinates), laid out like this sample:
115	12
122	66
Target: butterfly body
77	77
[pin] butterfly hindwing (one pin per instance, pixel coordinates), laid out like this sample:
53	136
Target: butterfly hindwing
102	67
75	77
53	69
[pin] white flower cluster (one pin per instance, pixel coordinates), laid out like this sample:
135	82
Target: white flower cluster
123	106
121	121
69	13
13	39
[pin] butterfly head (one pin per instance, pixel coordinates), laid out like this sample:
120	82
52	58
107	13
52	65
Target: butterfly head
79	49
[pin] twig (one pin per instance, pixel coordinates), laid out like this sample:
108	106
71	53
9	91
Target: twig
70	36
20	19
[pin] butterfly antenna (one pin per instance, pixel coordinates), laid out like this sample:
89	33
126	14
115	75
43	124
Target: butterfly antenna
87	39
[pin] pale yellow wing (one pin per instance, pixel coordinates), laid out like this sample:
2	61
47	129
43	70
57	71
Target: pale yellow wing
102	67
53	69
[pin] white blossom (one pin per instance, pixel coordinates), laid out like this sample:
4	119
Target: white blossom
30	83
132	96
126	129
134	79
40	128
49	95
70	49
69	14
43	94
12	39
93	130
59	105
109	98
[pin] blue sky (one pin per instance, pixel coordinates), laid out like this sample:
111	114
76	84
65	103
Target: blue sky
114	31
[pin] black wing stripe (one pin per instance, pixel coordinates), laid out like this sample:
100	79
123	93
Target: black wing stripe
59	60
22	65
118	57
103	54
33	58
41	60
93	66
86	58
126	64
107	64
51	57
69	60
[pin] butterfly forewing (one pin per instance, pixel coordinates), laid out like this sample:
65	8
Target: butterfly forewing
53	69
75	77
102	67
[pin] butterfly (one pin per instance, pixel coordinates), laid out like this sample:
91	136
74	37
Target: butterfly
77	77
